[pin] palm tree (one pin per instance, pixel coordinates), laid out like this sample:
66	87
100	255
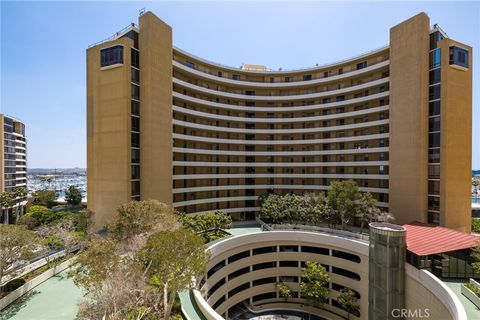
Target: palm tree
6	202
19	193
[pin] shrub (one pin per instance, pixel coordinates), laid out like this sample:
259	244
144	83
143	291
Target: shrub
13	284
476	225
473	289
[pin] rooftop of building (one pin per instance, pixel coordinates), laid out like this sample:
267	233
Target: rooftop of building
426	239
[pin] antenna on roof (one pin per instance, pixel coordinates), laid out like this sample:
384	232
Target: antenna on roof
141	11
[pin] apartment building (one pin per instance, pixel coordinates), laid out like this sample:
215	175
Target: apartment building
13	168
165	124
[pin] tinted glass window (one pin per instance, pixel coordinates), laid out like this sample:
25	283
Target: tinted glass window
111	56
434	108
459	56
434	92
435	76
434	140
435	57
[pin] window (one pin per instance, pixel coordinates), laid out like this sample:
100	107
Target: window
459	57
135	188
264	265
264	281
135	172
237	273
219	302
135	58
346	273
215	268
288	248
239	256
361	65
135	124
434	124
135	92
235	77
215	287
434	92
316	250
434	140
307	77
435	58
434	187
434	108
340	98
288	264
434	203
434	156
325	74
288	79
135	156
135	75
111	56
435	75
434	218
434	38
264	296
250	92
434	172
135	108
190	64
135	139
264	250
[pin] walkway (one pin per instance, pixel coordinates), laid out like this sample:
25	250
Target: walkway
55	299
472	311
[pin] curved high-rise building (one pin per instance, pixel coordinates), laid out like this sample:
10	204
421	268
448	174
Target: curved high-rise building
164	124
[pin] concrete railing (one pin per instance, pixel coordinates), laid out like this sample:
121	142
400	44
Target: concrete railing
439	289
205	308
19	292
470	294
312	228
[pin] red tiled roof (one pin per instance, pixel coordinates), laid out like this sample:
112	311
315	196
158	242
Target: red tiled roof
425	239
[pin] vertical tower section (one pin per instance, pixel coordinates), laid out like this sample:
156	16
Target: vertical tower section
386	270
455	135
409	52
109	125
155	43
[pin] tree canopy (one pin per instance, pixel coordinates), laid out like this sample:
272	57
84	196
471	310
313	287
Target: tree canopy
314	284
73	196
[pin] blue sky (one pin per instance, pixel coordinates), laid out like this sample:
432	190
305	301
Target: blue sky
43	50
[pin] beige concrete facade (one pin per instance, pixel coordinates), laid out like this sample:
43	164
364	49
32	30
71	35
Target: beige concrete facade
155	43
108	133
214	137
409	46
456	141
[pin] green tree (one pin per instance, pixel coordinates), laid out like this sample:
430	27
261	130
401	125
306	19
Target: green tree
349	301
342	197
73	196
475	254
284	290
19	193
45	198
16	244
141	218
209	225
314	284
367	210
6	202
40	215
174	259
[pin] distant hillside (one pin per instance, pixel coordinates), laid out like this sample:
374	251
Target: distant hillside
475	172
